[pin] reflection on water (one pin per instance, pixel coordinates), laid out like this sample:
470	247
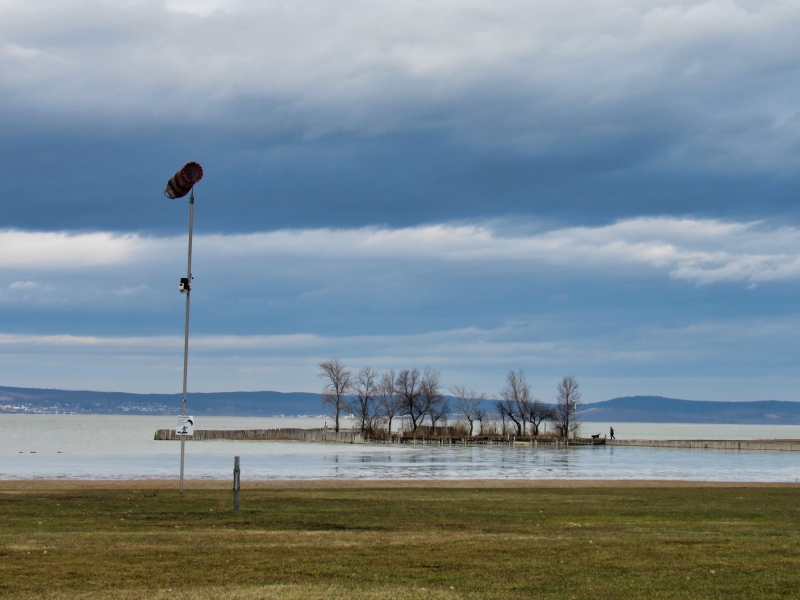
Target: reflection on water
122	447
276	460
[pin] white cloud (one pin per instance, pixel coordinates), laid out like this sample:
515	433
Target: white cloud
19	52
444	349
199	8
23	285
702	251
58	250
697	250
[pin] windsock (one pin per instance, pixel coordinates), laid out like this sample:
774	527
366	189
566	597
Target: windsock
183	180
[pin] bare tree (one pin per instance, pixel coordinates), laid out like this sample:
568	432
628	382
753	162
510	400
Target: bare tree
503	409
337	385
516	397
363	403
480	416
467	402
407	387
432	401
389	401
439	412
514	401
538	411
567	403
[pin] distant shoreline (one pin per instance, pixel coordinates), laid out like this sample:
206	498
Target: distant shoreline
270	404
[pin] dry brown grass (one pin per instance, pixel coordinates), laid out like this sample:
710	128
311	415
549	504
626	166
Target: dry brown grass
468	540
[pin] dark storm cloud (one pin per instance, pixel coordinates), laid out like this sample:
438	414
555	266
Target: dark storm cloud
80	182
310	114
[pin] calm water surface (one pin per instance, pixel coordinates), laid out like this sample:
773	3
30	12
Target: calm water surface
110	446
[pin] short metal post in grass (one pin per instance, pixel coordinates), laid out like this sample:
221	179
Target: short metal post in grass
236	486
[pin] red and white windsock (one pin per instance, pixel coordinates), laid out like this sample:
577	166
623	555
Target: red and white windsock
183	180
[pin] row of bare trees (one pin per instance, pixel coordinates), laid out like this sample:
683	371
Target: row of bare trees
376	399
517	405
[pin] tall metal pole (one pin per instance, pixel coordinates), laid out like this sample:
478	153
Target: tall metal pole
186	338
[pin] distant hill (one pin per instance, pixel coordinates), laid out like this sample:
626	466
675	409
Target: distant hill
642	409
266	404
656	409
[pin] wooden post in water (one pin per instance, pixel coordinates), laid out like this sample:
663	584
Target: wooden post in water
236	483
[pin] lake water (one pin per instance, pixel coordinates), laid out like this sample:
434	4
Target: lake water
111	446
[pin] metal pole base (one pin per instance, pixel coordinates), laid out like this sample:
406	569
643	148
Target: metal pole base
236	483
183	450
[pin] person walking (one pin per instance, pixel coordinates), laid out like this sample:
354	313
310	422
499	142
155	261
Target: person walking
612	433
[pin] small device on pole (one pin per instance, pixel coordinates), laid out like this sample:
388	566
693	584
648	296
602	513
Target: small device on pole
178	186
236	473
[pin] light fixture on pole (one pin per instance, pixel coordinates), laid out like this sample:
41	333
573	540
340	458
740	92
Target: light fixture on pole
178	186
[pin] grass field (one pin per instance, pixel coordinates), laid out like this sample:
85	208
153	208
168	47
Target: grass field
400	541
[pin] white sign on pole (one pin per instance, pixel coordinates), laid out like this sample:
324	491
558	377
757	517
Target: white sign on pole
185	426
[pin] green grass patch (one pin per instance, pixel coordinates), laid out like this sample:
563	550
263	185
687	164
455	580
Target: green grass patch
437	542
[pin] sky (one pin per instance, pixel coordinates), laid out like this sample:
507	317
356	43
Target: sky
606	189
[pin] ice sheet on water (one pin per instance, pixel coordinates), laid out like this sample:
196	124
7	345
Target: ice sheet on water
107	446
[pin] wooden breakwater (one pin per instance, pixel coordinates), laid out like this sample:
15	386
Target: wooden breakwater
765	445
346	436
352	436
495	440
